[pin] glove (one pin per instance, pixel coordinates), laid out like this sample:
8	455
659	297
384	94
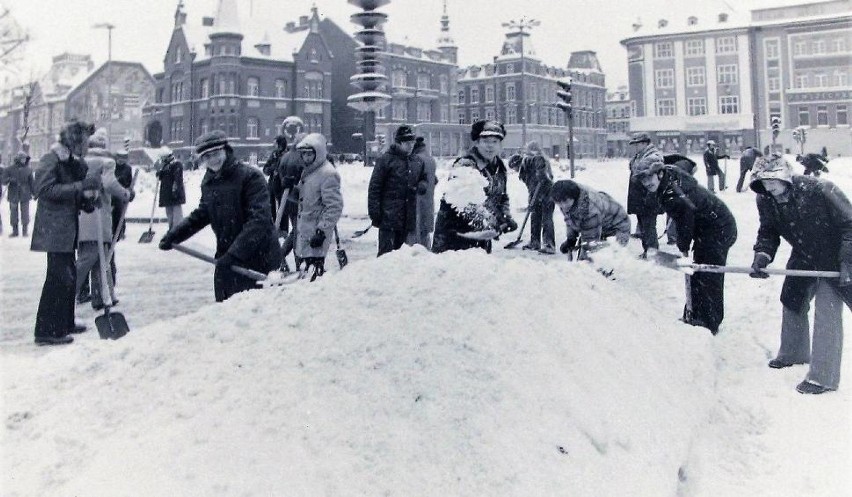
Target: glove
318	239
132	196
226	261
92	183
760	262
568	245
166	242
508	226
845	274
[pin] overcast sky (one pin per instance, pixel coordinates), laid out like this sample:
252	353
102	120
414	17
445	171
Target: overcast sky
143	28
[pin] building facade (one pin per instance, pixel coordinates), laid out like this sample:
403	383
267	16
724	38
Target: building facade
242	75
619	109
804	61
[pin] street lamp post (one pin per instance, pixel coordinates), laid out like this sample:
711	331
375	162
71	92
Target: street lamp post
523	25
109	27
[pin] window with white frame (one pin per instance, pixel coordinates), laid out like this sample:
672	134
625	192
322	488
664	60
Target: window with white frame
818	47
664	78
820	80
695	76
839	44
842	116
489	93
424	111
694	48
533	91
461	97
423	81
489	114
772	49
663	50
280	88
444	83
400	110
773	79
474	95
253	87
726	44
399	78
729	104
204	126
665	107
205	88
804	116
696	106
251	127
510	91
841	78
474	115
445	114
178	55
800	80
462	117
380	113
822	115
800	48
727	74
511	115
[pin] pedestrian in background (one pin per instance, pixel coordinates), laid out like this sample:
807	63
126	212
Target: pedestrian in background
19	178
536	173
750	154
425	202
172	193
711	166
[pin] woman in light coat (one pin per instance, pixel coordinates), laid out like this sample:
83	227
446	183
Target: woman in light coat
320	203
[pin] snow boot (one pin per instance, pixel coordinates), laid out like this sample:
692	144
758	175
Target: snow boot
779	364
546	250
53	340
810	388
530	246
14	232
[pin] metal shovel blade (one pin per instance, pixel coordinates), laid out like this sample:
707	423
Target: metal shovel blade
513	244
147	237
341	258
111	325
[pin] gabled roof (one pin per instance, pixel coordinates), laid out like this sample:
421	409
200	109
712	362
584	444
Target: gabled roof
92	75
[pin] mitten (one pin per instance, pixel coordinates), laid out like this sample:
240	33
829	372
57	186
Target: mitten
318	239
760	262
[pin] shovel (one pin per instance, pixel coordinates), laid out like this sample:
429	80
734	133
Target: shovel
515	243
261	278
111	325
362	232
689	268
117	233
341	254
149	235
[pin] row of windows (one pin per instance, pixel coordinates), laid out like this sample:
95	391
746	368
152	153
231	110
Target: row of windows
729	104
726	74
810	47
841	115
618	127
819	79
230	125
695	48
226	84
547	94
399	79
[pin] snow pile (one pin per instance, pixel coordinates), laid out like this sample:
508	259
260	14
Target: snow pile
465	191
463	374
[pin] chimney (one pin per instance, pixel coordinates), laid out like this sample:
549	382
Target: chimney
723	17
662	23
207	21
637	25
290	27
303	20
691	21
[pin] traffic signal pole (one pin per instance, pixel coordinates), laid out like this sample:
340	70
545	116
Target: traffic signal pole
564	94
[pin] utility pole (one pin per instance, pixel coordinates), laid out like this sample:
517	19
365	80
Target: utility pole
109	27
523	26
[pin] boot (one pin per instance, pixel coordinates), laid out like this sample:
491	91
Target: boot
50	340
14	232
25	233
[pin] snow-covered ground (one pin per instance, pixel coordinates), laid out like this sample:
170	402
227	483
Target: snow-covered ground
422	375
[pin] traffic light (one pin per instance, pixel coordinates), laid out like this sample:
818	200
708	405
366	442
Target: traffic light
775	123
565	95
381	139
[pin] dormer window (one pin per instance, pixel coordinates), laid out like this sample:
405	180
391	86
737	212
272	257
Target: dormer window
314	56
178	55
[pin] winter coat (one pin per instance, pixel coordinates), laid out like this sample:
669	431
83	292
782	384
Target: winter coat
124	174
703	221
426	202
320	201
595	216
750	154
171	184
814	163
271	169
639	200
20	181
397	180
100	162
711	162
536	173
817	223
235	203
449	222
290	169
59	191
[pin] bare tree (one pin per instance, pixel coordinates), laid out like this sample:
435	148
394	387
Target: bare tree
28	96
13	39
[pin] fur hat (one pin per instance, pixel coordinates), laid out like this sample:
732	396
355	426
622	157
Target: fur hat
565	189
403	133
75	133
210	141
21	159
711	143
99	139
773	166
640	138
281	141
646	168
483	128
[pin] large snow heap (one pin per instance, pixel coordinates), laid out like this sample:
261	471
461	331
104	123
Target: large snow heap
414	374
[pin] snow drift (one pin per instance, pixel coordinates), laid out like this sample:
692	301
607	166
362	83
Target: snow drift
463	374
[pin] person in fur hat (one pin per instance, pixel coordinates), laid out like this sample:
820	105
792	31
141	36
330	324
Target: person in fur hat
235	203
590	216
63	188
172	192
535	171
19	178
815	217
484	158
639	201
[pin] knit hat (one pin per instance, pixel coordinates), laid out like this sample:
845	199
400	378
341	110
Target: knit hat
533	147
281	141
773	166
210	141
403	133
647	168
711	143
640	138
99	139
565	189
483	128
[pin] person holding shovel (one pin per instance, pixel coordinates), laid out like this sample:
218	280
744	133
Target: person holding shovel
536	173
590	214
815	218
172	193
235	203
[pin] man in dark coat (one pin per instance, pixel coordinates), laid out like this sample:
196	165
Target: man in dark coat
63	188
688	166
172	193
814	163
536	173
711	166
235	203
290	169
750	154
483	157
397	179
815	217
705	226
124	175
639	200
271	170
19	177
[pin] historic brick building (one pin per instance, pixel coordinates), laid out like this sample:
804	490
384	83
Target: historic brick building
619	108
242	75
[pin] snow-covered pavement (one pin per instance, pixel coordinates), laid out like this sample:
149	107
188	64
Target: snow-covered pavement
416	374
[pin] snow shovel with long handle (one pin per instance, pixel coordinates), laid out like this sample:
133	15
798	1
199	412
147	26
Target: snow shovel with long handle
110	325
117	234
515	243
342	259
279	214
712	268
261	278
362	232
149	235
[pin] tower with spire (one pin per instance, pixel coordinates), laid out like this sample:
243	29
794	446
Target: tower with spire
180	15
446	43
226	36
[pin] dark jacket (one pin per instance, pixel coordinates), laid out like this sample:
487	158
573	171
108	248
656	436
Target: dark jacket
711	162
397	179
449	222
235	203
536	173
814	163
817	223
639	200
750	155
290	168
171	184
59	191
19	177
682	162
123	173
271	168
703	221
